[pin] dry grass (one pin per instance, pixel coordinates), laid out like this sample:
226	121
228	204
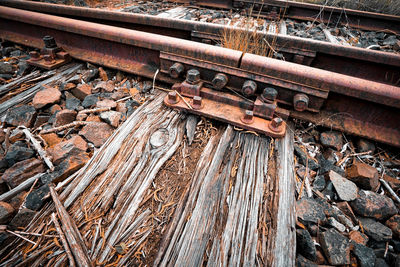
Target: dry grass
379	6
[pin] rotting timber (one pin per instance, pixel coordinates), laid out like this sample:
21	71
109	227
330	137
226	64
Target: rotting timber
347	103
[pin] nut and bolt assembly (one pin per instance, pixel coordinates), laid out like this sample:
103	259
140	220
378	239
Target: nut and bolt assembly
34	55
248	117
172	97
49	42
219	81
193	76
197	102
300	102
176	70
276	122
249	88
269	95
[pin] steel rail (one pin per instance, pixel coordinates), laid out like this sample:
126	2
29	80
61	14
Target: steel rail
369	109
310	12
368	64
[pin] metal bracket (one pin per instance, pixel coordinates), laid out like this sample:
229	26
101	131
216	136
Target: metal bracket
50	57
256	116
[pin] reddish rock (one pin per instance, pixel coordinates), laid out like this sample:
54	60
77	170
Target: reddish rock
106	103
41	120
51	139
82	90
103	74
303	262
365	176
320	257
6	212
93	118
358	237
371	204
121	107
45	97
97	133
70	165
55	108
64	117
336	247
69	86
21	116
107	86
2	136
17	201
111	117
22	170
394	224
73	146
81	116
332	139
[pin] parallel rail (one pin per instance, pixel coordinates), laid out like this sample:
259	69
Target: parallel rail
378	66
350	104
310	12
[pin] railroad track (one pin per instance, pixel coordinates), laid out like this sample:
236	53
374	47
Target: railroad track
351	89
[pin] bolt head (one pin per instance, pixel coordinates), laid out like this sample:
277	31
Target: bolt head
269	94
300	102
248	117
197	102
48	59
172	97
193	76
276	122
219	81
176	70
249	88
34	55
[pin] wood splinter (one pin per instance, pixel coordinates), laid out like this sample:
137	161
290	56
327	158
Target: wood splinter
71	232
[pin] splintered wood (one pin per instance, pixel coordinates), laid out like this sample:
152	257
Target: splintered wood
147	197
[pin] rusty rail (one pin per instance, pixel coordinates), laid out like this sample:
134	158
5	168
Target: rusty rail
309	12
367	64
369	109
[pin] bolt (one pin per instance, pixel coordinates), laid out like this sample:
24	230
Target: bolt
249	88
219	81
193	76
248	117
269	94
49	42
48	59
34	55
197	102
176	70
300	102
276	122
172	97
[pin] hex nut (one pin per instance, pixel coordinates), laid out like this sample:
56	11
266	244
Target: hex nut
197	102
193	76
276	122
248	117
49	42
176	70
269	94
300	102
219	81
172	97
249	88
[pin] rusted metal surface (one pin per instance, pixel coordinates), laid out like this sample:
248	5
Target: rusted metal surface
144	53
368	64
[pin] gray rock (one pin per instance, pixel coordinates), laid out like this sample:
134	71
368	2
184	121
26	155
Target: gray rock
365	255
319	183
304	159
6	212
305	244
376	230
371	204
346	189
90	100
34	201
336	247
24	115
72	103
17	153
364	145
22	219
303	262
6	68
309	210
332	139
380	263
337	225
391	40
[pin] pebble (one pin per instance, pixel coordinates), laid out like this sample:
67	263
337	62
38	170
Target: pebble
24	115
309	210
336	247
394	224
111	117
332	139
46	97
97	133
6	212
305	244
376	230
346	190
371	204
365	176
